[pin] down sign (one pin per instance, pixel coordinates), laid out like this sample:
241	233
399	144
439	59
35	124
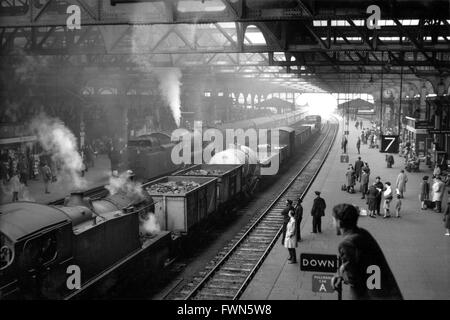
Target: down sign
318	262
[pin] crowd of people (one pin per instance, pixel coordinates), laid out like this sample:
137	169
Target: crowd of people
19	166
388	196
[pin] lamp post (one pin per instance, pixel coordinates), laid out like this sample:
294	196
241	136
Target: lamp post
400	107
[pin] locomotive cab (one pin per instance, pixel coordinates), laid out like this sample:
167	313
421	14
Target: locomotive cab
36	248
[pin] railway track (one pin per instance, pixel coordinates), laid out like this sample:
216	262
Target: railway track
239	261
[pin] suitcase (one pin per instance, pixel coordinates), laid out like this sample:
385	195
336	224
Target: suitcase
344	158
429	204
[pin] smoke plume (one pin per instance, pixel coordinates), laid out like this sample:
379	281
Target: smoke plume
168	78
150	224
169	86
123	184
61	144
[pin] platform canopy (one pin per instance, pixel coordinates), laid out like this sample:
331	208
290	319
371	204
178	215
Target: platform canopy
305	45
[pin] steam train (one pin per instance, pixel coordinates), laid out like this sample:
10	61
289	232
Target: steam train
86	248
149	156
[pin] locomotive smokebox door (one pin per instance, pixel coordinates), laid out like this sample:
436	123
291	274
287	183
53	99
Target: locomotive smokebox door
344	158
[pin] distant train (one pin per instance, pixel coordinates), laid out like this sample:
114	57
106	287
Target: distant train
149	156
42	247
314	121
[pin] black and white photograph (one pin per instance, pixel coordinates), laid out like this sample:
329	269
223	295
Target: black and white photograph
256	152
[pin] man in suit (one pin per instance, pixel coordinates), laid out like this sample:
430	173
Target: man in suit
358	252
286	218
358	167
380	187
298	218
317	212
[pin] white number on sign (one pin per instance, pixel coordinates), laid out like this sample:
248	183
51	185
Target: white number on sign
390	144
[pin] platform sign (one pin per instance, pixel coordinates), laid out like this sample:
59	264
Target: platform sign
436	131
322	283
318	262
423	124
389	143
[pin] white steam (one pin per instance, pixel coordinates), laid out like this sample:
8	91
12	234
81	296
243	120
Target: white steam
61	143
123	184
150	224
169	85
168	78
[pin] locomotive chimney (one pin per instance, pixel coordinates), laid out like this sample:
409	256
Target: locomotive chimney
77	198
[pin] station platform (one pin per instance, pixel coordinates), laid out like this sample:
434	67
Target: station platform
35	191
414	245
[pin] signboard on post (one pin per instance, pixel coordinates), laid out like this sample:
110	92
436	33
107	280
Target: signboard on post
322	283
436	131
389	143
423	124
318	262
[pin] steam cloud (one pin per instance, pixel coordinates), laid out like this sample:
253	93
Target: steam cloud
169	85
123	184
150	224
168	78
60	142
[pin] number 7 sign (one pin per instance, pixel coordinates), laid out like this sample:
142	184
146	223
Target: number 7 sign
389	144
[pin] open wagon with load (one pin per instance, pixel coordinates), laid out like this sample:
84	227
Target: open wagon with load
229	179
182	202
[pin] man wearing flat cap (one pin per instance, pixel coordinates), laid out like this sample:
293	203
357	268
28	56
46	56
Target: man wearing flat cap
360	257
317	212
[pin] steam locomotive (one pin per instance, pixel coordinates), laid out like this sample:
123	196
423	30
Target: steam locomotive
94	242
149	155
87	247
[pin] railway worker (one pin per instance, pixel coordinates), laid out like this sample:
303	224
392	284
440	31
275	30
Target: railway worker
402	179
285	214
290	239
359	251
317	212
358	144
298	219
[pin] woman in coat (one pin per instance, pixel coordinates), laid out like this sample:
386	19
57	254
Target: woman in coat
438	193
402	179
372	194
424	192
290	241
350	174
